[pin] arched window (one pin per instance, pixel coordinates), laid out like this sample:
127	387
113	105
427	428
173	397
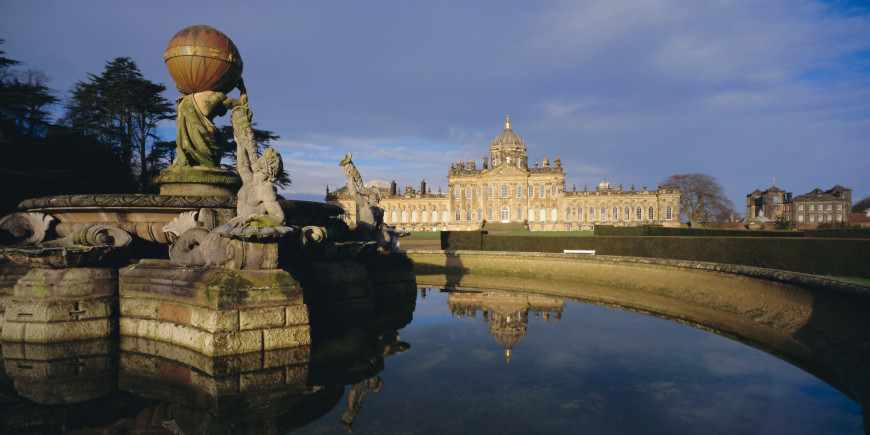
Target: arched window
652	214
458	215
414	215
404	215
553	193
456	192
639	213
519	213
489	191
479	214
468	192
479	192
505	213
543	191
543	215
504	191
627	214
519	191
434	215
669	213
489	214
615	214
603	216
554	214
445	216
568	213
591	213
468	214
393	216
425	215
531	191
579	213
531	214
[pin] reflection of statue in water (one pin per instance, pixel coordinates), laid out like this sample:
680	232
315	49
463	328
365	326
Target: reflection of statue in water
199	142
258	195
370	217
392	345
355	399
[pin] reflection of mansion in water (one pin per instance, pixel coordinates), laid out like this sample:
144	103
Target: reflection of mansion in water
506	315
506	189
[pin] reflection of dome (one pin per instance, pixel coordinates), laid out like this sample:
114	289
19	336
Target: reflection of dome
508	137
604	184
508	334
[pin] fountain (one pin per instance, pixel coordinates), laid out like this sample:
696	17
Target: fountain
239	258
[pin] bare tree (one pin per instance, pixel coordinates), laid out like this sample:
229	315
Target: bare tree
702	199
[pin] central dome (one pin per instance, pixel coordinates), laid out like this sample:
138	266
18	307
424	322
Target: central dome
508	137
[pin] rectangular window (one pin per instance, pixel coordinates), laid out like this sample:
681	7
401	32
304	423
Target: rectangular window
519	191
543	191
489	191
828	207
504	191
531	191
839	206
800	207
810	206
468	192
456	193
519	213
553	191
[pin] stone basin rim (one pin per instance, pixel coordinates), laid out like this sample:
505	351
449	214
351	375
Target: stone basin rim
847	288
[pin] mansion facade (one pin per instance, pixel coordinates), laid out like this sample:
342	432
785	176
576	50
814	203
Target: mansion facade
805	211
505	189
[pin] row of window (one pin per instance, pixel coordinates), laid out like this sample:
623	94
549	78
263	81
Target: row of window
541	215
812	207
819	218
505	191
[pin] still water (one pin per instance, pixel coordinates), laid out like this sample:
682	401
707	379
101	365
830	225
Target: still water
594	370
468	362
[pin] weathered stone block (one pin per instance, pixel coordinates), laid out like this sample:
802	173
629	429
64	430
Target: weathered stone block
296	315
60	311
215	320
57	331
286	337
296	374
174	313
73	282
138	307
227	343
259	318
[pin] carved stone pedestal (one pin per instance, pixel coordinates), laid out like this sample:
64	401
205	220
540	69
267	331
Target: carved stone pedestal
51	305
213	311
9	275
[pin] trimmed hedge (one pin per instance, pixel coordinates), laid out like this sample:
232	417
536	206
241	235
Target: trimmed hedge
655	230
840	233
820	256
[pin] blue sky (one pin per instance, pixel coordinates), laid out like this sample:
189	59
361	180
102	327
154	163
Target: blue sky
632	91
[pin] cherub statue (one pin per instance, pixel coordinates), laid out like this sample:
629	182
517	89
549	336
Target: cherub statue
199	142
258	196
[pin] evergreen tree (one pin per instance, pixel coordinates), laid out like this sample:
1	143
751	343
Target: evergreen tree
122	109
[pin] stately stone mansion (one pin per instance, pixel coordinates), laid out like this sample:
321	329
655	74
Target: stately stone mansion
805	211
505	189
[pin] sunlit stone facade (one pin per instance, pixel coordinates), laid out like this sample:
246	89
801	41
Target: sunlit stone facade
505	189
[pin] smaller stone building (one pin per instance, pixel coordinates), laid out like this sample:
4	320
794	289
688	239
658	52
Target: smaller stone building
805	211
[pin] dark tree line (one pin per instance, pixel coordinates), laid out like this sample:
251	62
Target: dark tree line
105	141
